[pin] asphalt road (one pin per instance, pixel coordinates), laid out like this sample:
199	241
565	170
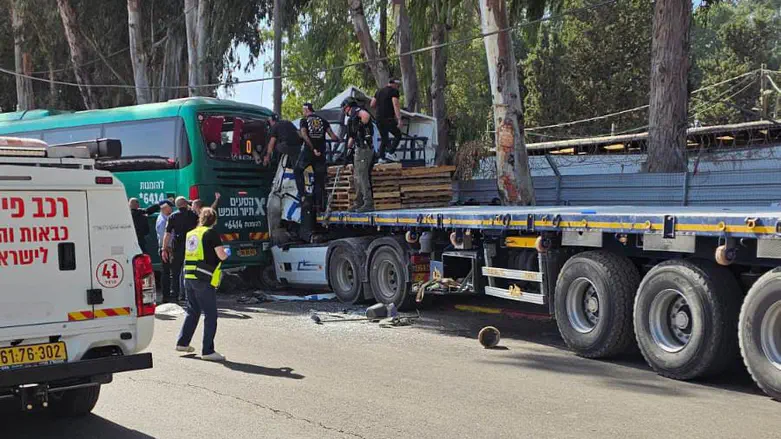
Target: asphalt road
289	378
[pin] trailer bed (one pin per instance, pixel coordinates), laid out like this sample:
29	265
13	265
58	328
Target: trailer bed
746	222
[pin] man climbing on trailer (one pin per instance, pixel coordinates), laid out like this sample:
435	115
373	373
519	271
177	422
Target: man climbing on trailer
313	131
360	132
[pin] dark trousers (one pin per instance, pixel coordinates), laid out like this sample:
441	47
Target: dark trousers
165	278
177	276
320	169
388	126
201	299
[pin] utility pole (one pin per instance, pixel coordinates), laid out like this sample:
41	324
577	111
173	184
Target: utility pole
763	92
278	5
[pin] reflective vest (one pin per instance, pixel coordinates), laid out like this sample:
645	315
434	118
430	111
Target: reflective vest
195	266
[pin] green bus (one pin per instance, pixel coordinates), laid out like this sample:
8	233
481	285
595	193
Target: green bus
191	147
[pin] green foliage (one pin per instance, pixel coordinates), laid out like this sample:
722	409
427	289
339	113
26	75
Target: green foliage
730	39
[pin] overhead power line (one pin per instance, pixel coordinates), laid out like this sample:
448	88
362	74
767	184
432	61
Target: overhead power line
329	69
632	110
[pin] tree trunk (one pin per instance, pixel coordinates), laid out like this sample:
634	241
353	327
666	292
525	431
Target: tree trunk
378	68
512	164
203	32
383	28
667	114
278	5
193	64
409	74
23	64
52	85
75	44
438	83
171	69
138	55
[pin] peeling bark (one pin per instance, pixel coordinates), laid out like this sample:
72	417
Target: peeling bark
512	164
409	74
378	68
138	54
75	44
438	83
25	99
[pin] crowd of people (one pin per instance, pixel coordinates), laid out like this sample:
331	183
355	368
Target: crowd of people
191	250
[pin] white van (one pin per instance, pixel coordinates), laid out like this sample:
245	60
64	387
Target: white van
77	297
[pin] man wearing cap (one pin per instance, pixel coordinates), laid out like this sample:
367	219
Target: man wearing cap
388	109
313	129
360	132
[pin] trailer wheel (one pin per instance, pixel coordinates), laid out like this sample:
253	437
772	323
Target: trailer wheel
344	274
759	332
593	303
388	277
76	402
686	317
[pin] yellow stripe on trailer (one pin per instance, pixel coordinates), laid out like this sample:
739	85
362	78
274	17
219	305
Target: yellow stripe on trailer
521	241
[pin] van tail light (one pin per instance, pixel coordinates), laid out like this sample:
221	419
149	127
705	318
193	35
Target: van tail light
194	193
144	281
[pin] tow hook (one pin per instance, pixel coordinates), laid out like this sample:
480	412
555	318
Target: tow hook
33	395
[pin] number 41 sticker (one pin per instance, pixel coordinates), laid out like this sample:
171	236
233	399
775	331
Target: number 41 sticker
110	273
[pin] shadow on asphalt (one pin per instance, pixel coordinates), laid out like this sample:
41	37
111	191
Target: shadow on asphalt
253	369
43	426
440	318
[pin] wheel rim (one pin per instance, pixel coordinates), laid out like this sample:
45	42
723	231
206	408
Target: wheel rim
670	320
770	334
583	306
345	275
388	279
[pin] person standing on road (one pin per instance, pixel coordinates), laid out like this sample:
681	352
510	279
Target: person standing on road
360	132
179	224
283	136
204	254
388	109
165	271
313	129
141	220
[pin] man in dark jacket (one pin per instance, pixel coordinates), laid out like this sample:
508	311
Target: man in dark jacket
141	220
179	224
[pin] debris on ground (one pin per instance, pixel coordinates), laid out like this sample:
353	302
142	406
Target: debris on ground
309	298
169	309
252	299
489	337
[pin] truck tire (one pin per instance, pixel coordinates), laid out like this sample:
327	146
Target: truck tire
389	277
759	332
344	274
686	319
76	402
593	303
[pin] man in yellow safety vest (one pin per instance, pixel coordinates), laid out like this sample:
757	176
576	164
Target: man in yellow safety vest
203	258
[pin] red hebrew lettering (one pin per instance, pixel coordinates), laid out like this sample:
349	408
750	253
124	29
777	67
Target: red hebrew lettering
6	235
43	233
44	253
62	235
52	207
26	257
64	203
39	207
27	234
17	204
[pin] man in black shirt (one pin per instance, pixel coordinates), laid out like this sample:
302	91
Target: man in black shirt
283	136
360	133
179	223
388	107
140	220
313	130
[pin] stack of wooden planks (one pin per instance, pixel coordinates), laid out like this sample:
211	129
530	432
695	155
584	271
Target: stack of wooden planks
394	187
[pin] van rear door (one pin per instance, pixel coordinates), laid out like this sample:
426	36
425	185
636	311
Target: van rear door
45	263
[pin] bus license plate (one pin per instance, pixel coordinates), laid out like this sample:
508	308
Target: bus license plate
32	354
248	252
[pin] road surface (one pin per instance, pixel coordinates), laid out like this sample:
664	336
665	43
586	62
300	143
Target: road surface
289	378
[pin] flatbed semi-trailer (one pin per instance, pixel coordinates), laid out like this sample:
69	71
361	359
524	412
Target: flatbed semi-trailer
694	288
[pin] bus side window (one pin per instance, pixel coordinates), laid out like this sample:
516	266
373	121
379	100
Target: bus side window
74	134
184	155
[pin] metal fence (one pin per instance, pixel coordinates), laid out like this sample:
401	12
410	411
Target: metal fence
723	188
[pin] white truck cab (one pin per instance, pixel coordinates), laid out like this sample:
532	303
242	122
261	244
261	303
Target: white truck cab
77	296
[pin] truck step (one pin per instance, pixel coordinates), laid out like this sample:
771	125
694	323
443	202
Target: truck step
515	293
506	273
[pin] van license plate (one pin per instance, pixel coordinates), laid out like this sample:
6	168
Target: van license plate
248	252
32	354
